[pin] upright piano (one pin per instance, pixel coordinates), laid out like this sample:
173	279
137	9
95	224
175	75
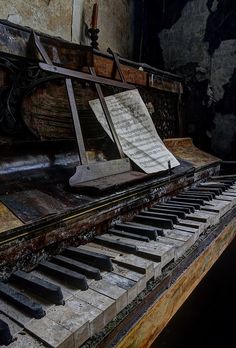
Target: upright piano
105	265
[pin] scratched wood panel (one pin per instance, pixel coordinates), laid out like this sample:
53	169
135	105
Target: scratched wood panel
106	67
14	40
8	220
185	149
157	317
156	81
32	204
46	112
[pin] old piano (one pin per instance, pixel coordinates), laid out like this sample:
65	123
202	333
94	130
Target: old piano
105	264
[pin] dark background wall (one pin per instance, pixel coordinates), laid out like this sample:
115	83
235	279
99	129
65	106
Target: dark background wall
197	38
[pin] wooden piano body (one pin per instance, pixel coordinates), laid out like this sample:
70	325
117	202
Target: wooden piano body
41	218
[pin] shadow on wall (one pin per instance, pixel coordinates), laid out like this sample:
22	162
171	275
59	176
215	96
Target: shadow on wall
211	124
198	40
158	15
221	23
224	134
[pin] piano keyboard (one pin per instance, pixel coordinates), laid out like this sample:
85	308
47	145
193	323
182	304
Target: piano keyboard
73	296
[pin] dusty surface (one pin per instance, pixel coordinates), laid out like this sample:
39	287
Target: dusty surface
50	16
70	20
7	219
184	148
114	22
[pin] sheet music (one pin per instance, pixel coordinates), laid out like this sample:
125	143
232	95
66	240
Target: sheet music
136	131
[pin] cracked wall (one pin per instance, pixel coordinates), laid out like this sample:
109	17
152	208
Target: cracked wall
52	17
69	19
201	44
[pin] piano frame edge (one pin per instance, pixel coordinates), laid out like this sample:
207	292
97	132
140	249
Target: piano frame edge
144	324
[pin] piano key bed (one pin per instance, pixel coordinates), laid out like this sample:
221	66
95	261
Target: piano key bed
74	296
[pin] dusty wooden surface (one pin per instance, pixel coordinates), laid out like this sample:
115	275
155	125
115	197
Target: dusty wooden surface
46	112
8	220
185	149
14	40
157	317
54	17
106	67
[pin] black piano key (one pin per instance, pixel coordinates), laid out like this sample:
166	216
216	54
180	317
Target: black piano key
169	210
132	227
215	190
223	187
158	230
224	177
128	235
185	204
125	247
195	202
207	195
194	196
198	201
98	260
50	292
5	334
21	301
200	191
74	279
227	181
152	221
186	209
83	268
172	217
220	182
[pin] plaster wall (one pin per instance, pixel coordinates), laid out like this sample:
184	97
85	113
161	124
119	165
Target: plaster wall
53	17
202	45
70	19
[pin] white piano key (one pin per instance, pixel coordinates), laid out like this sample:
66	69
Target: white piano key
158	251
51	333
150	268
77	323
220	206
227	197
25	340
100	301
187	238
113	291
139	278
199	226
129	285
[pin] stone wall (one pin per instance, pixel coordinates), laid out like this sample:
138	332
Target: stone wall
70	19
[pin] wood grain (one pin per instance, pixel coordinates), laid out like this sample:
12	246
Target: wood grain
8	220
185	149
149	327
